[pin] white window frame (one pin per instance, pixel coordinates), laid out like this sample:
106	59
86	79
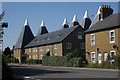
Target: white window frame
47	47
92	39
29	56
41	56
55	46
34	57
112	36
111	52
29	49
55	54
82	45
36	49
80	36
93	57
41	48
68	45
33	49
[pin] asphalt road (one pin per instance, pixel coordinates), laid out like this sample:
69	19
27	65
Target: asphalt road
35	72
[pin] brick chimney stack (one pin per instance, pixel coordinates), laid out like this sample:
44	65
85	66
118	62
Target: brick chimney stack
105	11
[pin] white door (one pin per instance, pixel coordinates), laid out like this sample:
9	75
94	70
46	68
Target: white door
105	56
99	58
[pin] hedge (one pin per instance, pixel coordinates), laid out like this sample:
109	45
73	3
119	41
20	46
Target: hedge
33	61
61	61
54	61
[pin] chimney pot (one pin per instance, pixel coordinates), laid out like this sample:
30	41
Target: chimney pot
107	6
102	6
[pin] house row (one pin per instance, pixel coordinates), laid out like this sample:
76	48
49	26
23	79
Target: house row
95	39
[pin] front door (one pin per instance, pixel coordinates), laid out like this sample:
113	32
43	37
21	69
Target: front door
99	58
105	56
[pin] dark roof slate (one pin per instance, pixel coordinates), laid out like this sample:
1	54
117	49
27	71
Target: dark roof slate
109	22
52	37
85	23
25	37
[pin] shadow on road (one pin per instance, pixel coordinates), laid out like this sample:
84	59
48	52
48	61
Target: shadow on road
28	71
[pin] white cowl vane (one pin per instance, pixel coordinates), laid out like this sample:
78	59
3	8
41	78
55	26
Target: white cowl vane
75	18
26	23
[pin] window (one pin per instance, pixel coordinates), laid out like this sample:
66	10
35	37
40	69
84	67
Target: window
92	39
36	56
29	49
33	56
19	58
105	56
68	45
55	54
82	45
47	48
93	57
79	35
55	46
36	49
112	36
112	53
40	48
33	49
41	56
25	50
29	56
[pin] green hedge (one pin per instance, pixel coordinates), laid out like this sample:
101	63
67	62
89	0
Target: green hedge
33	61
11	60
61	61
76	62
54	61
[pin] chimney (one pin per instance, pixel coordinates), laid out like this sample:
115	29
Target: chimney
105	11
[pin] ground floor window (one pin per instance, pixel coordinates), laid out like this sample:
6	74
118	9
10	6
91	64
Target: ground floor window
34	57
41	56
112	53
29	56
93	57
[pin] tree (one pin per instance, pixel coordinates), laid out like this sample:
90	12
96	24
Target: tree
7	52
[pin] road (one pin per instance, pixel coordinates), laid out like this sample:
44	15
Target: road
37	71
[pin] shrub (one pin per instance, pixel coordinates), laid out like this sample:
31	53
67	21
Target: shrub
34	61
76	62
54	61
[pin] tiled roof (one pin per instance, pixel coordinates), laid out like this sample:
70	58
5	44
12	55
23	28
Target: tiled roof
109	22
52	37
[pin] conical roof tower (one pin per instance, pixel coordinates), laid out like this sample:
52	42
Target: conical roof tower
42	29
85	23
65	24
25	37
74	21
96	18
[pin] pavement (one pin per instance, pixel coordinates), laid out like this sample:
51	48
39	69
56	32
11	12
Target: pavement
39	71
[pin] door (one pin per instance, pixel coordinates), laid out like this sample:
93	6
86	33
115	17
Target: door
99	58
105	56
